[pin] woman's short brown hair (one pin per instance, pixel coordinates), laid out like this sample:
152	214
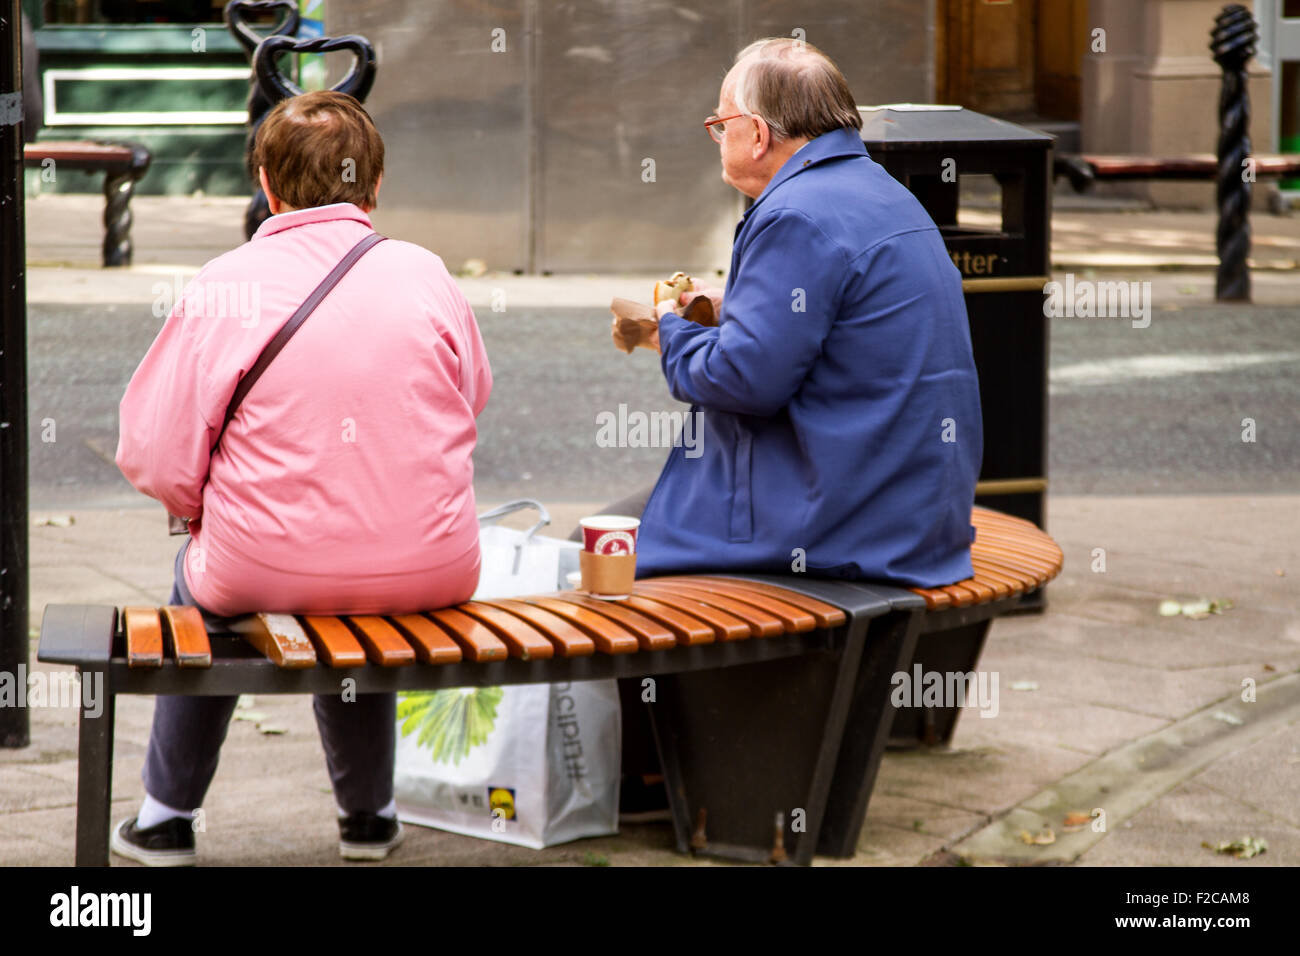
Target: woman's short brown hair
320	148
795	87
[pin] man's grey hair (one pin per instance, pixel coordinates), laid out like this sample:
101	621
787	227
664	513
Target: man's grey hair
795	87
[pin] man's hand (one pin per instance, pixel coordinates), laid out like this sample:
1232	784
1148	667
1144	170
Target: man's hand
714	294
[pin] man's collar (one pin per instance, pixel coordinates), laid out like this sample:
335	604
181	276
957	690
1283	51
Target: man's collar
846	141
302	217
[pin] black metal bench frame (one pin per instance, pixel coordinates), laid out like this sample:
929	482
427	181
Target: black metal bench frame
814	745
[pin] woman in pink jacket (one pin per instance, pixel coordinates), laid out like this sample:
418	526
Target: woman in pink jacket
344	482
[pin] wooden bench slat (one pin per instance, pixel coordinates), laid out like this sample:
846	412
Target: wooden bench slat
189	636
279	637
525	641
1035	575
610	638
568	640
1024	578
431	643
726	627
384	645
1028	545
686	628
334	641
78	152
961	597
1003	585
475	639
982	590
144	641
935	599
826	615
1009	530
650	633
793	619
763	623
1039	566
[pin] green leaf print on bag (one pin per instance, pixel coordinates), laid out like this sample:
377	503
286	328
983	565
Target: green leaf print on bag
450	722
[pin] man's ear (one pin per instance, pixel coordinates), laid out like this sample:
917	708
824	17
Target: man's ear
762	138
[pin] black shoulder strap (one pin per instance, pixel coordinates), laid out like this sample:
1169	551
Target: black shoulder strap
289	328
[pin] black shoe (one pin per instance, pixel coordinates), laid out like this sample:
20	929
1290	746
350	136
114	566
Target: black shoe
368	836
170	843
641	802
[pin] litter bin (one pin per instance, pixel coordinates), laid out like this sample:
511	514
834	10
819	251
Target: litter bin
1005	261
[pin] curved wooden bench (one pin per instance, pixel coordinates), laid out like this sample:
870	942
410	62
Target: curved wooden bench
771	693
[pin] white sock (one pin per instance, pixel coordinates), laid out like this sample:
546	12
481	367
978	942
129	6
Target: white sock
153	812
389	811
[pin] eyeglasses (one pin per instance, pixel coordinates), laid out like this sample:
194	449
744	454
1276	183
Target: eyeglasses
718	125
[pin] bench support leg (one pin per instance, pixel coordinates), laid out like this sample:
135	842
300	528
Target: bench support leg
118	190
955	651
95	781
891	642
746	743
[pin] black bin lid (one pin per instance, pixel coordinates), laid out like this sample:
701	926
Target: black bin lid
920	127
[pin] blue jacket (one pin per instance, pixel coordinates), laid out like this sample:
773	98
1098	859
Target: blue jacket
838	425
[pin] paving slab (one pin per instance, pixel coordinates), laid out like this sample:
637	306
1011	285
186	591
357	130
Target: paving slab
1133	776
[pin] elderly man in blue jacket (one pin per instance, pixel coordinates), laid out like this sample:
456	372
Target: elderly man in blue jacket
839	414
838	429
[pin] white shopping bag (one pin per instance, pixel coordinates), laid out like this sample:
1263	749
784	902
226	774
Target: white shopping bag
534	764
520	562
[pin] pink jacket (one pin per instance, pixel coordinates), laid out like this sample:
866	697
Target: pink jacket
344	483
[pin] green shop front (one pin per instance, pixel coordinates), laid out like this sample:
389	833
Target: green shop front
163	73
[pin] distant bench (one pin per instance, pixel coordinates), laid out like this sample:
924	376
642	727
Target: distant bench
123	164
1086	169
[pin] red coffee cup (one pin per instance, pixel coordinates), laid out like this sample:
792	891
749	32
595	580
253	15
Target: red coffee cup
609	534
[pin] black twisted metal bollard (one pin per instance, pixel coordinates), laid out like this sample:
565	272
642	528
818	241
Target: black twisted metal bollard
1233	44
119	187
258	104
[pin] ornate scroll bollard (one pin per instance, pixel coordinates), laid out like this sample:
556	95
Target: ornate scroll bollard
258	104
1233	44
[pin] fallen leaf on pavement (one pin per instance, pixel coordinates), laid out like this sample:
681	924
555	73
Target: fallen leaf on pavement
1243	848
1024	685
255	716
1227	718
270	729
1043	837
56	521
1077	820
1197	610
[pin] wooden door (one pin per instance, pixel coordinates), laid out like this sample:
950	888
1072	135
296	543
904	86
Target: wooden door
1062	42
985	54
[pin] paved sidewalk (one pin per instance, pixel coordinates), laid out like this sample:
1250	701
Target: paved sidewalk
1101	677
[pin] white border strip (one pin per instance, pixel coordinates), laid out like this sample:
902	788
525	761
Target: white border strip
53	117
